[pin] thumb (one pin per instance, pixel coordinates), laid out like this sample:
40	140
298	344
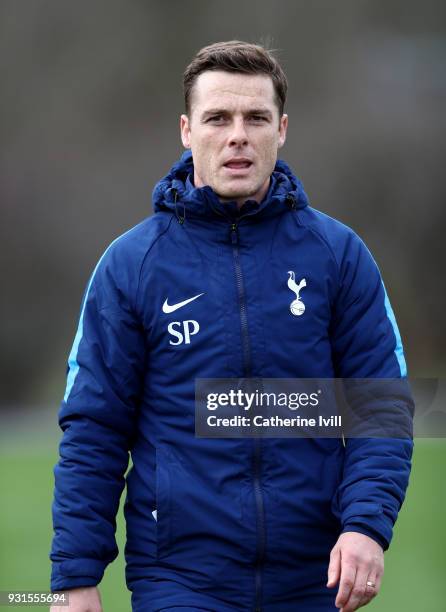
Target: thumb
334	568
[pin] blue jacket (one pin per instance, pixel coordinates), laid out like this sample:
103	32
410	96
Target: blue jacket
245	522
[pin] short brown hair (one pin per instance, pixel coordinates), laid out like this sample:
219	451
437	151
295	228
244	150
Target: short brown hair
236	56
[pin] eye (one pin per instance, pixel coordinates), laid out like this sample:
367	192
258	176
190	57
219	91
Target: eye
258	118
215	119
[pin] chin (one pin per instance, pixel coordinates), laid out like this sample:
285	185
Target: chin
235	193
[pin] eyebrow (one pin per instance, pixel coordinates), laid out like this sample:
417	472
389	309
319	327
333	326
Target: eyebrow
223	111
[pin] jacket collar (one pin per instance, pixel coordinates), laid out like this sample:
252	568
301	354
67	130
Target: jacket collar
176	192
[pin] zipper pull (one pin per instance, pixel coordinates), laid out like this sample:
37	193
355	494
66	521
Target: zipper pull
234	233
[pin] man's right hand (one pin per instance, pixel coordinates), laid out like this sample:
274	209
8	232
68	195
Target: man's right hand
84	599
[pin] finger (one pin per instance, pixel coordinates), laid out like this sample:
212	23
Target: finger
358	590
371	589
375	577
348	575
334	568
373	586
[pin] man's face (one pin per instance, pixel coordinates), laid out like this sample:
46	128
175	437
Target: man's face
234	131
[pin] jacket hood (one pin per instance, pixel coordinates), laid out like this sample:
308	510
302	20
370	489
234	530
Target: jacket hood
175	192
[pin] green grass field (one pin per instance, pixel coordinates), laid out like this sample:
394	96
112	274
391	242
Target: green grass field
415	564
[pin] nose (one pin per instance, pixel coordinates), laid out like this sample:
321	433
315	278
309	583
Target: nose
238	135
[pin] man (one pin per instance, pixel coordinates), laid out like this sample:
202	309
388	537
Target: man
200	290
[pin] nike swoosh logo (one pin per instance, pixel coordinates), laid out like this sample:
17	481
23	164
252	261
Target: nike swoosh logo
168	308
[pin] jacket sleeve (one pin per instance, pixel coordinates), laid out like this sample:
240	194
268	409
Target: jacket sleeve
366	344
97	417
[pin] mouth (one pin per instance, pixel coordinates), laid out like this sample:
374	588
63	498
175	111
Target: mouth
238	165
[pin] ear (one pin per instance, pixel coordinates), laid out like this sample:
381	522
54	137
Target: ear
185	131
283	126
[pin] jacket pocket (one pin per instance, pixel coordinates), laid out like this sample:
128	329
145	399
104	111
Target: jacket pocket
163	505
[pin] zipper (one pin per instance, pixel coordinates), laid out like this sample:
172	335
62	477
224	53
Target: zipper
257	447
242	303
257	463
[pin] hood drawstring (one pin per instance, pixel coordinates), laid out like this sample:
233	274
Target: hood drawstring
291	201
181	219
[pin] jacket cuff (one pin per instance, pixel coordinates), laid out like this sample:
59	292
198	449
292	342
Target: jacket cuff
369	519
74	573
